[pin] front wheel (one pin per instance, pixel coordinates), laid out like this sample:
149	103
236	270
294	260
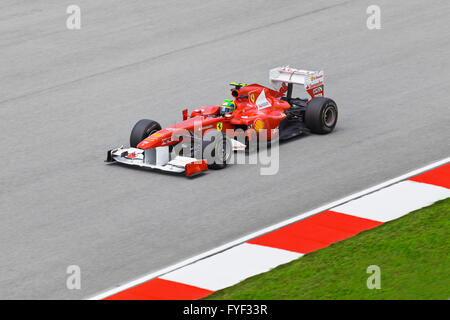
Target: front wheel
321	115
217	149
141	130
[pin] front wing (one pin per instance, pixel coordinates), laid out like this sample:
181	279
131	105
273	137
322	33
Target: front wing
158	159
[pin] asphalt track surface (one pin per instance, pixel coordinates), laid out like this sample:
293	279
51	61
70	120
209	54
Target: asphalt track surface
68	96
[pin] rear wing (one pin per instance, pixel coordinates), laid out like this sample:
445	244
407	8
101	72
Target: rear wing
311	80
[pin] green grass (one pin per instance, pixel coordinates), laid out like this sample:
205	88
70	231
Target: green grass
412	253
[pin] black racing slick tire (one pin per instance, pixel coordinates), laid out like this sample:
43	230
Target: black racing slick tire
321	115
141	130
216	143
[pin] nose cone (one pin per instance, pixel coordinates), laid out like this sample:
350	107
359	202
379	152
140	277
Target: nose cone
158	139
148	144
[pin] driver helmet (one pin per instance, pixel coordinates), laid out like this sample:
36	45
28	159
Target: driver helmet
227	106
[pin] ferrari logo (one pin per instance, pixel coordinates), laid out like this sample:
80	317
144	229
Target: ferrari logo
219	126
252	97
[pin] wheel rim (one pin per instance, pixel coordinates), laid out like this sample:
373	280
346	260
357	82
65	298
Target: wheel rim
329	116
225	152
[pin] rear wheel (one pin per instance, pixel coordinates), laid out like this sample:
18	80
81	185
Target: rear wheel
321	115
141	130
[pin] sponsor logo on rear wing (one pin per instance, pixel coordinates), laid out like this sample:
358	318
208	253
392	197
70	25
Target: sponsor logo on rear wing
314	85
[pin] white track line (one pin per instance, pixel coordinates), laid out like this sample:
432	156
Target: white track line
394	201
231	266
258	233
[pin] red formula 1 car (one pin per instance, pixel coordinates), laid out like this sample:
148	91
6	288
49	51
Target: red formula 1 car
256	113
